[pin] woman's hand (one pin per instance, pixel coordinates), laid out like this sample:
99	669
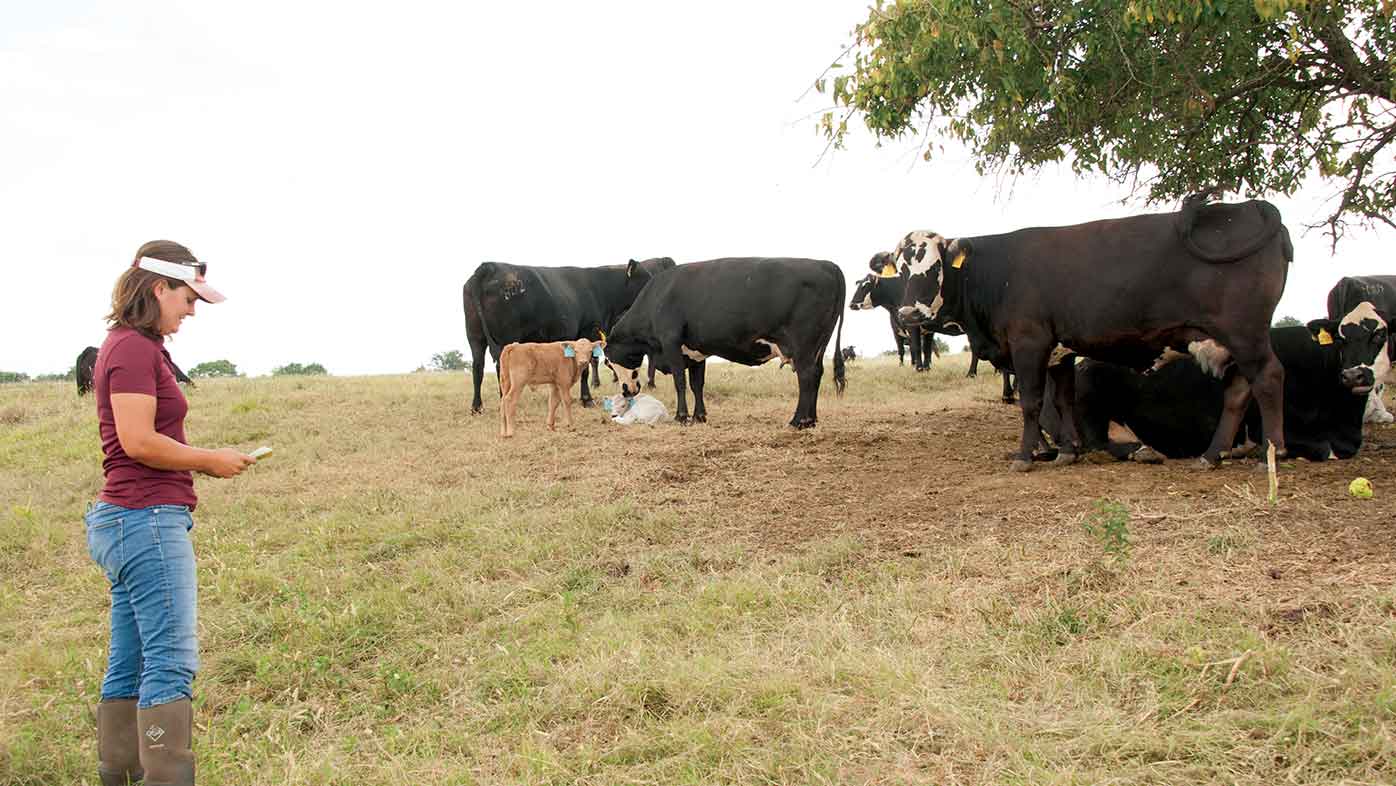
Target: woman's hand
227	463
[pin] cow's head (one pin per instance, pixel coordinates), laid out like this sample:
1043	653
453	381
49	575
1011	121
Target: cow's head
1366	346
924	255
624	356
580	350
863	293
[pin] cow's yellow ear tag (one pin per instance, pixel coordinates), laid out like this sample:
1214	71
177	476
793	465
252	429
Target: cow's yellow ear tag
959	260
1324	337
888	271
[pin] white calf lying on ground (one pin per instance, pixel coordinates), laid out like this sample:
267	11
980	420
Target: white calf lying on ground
641	408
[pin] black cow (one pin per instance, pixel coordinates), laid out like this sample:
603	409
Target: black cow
506	303
87	363
1205	280
1380	291
1174	410
746	310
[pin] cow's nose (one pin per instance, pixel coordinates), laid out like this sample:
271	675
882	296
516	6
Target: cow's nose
1357	377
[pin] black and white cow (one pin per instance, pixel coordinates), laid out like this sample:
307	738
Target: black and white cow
1173	411
1204	280
746	310
506	303
1380	291
886	288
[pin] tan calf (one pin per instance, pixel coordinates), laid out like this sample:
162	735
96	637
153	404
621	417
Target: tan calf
525	365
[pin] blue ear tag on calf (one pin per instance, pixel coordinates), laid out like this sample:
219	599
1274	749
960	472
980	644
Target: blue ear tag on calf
568	351
597	353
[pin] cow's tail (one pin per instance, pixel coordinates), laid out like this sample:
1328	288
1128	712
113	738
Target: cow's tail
840	381
472	291
1271	224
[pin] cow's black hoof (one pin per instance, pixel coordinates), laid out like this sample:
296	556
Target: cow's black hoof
1019	465
588	403
1010	401
703	418
1147	455
1206	462
971	376
803	423
477	410
682	420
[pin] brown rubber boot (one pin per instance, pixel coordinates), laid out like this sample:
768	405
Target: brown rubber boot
118	743
167	734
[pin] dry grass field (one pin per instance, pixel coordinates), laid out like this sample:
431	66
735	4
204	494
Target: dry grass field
398	596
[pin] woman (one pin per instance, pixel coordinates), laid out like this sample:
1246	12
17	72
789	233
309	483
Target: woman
138	530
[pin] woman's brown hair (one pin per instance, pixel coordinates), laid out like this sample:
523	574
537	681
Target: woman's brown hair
133	302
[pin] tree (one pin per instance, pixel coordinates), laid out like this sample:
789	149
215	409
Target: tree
214	369
1249	96
1288	322
294	369
13	376
942	348
451	360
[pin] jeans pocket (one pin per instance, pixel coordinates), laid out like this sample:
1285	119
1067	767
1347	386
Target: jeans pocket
104	536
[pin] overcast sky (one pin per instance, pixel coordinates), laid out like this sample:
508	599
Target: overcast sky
343	167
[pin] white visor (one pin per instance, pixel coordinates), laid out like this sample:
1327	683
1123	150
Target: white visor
188	273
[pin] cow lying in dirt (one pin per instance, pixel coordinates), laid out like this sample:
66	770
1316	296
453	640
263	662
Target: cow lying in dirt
557	364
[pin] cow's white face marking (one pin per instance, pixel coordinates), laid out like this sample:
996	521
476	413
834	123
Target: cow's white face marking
866	303
629	379
920	254
1211	356
1059	355
693	354
1364	310
775	350
920	250
1363	328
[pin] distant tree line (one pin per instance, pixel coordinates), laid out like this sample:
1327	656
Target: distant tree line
296	369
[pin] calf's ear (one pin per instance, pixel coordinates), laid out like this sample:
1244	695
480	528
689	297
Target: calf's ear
957	252
1324	331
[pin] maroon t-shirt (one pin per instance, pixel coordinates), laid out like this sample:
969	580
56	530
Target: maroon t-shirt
130	362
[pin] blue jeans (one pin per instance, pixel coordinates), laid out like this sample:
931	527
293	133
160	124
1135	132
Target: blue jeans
149	560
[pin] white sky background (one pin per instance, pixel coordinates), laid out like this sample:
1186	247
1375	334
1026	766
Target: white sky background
343	167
